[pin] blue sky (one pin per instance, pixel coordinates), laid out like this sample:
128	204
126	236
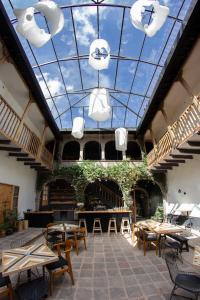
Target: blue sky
140	62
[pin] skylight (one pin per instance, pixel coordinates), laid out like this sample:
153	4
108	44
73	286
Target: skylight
136	65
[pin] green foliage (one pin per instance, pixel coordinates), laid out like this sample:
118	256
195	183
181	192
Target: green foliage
125	174
159	214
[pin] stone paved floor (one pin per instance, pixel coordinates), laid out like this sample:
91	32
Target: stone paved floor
111	269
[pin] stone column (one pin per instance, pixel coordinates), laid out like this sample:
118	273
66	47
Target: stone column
103	152
81	151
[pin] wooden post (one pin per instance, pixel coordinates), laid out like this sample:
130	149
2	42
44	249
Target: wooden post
42	140
54	148
155	148
169	128
23	117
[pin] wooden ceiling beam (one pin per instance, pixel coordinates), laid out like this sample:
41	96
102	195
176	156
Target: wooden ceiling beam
189	151
13	149
178	161
194	143
4	142
26	159
18	154
181	156
169	164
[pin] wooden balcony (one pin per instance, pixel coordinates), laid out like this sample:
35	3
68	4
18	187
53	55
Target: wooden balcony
178	138
18	137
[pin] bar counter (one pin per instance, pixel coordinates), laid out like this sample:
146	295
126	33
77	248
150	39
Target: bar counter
39	218
104	216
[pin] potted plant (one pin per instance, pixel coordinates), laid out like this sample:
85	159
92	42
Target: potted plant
159	214
3	229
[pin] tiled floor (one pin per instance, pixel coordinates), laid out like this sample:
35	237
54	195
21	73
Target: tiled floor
113	269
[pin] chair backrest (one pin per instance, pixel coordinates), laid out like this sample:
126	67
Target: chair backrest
170	259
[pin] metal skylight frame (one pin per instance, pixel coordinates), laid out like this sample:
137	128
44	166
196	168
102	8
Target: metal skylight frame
85	92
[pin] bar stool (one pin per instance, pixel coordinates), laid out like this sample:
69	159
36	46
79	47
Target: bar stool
112	226
82	223
97	226
125	226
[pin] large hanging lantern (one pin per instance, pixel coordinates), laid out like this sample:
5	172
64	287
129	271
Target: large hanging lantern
53	14
159	16
78	127
99	54
28	27
121	136
99	106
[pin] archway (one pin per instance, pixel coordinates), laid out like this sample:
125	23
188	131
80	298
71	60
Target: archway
148	147
92	151
133	151
146	196
71	151
103	194
111	153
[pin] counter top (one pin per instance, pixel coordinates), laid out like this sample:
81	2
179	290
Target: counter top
103	211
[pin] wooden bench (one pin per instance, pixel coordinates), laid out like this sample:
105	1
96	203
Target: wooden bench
182	240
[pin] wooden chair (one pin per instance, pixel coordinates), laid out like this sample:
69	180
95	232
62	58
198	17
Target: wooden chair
53	237
63	265
79	235
6	283
146	237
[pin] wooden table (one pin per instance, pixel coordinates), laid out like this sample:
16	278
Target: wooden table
159	228
25	258
64	227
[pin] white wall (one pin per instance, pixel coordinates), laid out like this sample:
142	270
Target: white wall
183	183
15	173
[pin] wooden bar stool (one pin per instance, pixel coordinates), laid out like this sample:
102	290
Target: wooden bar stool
112	226
97	226
82	223
125	226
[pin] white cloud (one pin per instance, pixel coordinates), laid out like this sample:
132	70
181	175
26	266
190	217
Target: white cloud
54	85
85	31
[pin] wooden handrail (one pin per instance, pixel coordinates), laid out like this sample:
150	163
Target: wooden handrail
25	139
186	125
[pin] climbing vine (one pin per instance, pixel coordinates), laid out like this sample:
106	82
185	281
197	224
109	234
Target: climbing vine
125	173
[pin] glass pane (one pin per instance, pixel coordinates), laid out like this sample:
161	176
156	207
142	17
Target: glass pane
126	71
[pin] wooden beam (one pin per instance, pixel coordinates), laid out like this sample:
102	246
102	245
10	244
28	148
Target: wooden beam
18	154
181	156
4	142
194	143
25	159
178	161
158	171
163	167
32	164
2	148
190	151
170	164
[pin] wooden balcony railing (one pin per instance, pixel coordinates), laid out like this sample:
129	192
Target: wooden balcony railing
186	125
19	133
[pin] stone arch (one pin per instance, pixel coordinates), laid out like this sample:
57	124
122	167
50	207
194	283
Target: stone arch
92	151
71	151
133	151
111	153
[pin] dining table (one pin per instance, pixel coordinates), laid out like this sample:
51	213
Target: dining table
25	258
159	228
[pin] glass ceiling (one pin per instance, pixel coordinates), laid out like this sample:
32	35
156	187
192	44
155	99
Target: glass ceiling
136	66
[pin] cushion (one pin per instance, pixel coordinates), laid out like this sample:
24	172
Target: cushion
58	264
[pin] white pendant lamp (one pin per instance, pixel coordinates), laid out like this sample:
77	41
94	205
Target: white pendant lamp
159	16
53	14
28	27
99	106
121	136
78	127
99	56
